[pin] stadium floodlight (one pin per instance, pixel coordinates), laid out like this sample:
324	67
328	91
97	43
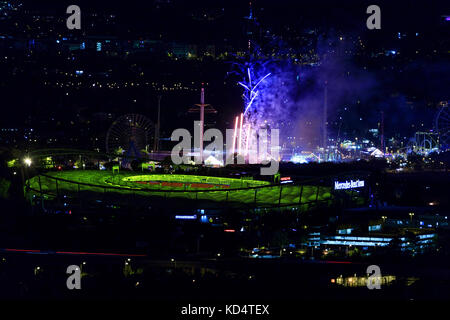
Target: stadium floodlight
27	161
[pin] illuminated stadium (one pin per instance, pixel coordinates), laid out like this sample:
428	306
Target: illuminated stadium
217	189
112	187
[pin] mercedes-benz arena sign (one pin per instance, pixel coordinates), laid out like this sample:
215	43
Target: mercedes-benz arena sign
348	184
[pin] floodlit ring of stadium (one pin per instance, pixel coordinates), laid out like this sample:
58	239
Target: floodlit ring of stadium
194	187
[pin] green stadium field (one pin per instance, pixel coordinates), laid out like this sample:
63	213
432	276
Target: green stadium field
218	189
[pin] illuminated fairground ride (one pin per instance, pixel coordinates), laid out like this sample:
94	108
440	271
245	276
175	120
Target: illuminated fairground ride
130	135
425	143
442	125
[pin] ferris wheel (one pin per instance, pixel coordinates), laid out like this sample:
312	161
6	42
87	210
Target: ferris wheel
129	135
442	124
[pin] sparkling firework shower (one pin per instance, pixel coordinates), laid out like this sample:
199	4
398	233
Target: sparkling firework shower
266	87
251	89
251	84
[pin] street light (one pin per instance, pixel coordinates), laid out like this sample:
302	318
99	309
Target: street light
411	214
27	161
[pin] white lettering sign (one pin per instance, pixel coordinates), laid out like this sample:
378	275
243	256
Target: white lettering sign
348	184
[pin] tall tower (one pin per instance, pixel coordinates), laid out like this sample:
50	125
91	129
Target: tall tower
158	126
202	108
382	132
251	28
325	116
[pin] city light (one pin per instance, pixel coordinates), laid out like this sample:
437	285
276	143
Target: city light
109	157
27	161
